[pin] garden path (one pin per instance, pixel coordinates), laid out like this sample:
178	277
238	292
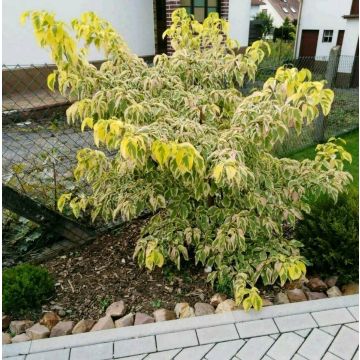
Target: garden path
313	330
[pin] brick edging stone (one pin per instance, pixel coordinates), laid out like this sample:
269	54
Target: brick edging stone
63	342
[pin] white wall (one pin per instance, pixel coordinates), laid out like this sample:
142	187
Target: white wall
133	19
328	15
239	19
277	19
254	11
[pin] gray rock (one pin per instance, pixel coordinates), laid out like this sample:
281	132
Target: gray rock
141	318
316	284
315	295
50	319
184	310
350	289
62	328
331	281
217	298
281	298
296	295
127	320
164	315
226	306
116	309
83	326
19	326
6	338
333	292
38	331
20	338
104	323
203	309
5	321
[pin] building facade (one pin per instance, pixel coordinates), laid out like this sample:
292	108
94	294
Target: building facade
277	9
324	24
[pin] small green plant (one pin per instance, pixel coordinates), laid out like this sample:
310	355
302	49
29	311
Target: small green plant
156	304
25	287
104	303
330	234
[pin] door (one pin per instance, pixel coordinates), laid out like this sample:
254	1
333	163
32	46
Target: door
340	38
161	44
309	39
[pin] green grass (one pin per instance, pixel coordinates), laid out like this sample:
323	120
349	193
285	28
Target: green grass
352	146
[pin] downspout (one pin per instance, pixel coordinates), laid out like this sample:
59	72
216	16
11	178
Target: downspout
298	29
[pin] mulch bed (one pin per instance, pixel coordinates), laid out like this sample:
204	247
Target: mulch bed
93	277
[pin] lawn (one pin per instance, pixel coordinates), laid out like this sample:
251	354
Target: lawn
352	145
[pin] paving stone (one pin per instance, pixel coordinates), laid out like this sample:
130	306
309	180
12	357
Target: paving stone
332	330
255	348
136	357
15	349
194	353
356	356
345	343
217	333
53	355
354	326
315	345
295	322
275	336
250	329
225	350
176	340
330	356
332	317
102	351
285	346
20	357
303	333
162	355
136	346
297	357
354	312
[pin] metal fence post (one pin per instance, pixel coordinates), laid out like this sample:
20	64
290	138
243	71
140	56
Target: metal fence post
330	76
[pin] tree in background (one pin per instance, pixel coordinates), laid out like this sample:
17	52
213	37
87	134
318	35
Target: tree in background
286	32
266	23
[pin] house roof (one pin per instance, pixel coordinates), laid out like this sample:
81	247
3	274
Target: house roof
286	8
257	2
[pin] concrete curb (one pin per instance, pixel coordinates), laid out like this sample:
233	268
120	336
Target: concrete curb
64	342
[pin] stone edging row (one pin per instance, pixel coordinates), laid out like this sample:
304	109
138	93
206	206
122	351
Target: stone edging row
170	326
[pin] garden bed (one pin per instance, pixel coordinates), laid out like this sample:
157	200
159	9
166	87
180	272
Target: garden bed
89	280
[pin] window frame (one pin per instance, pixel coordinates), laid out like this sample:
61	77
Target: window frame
328	38
206	8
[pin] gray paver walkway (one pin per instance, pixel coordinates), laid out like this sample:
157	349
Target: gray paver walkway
324	329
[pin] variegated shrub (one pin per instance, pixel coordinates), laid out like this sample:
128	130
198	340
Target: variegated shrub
190	147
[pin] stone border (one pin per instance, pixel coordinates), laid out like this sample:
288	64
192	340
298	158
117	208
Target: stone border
104	336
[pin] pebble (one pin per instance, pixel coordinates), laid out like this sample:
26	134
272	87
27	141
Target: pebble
296	295
203	309
127	320
334	291
217	298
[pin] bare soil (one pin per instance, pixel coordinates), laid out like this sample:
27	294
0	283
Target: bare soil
90	279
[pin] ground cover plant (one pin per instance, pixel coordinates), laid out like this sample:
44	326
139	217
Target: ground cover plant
25	287
192	149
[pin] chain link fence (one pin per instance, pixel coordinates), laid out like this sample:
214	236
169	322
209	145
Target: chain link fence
344	116
39	147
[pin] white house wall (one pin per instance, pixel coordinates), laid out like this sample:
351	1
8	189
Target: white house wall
328	15
277	19
133	19
239	20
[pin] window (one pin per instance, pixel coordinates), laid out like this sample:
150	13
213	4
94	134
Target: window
292	9
201	8
285	9
327	36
